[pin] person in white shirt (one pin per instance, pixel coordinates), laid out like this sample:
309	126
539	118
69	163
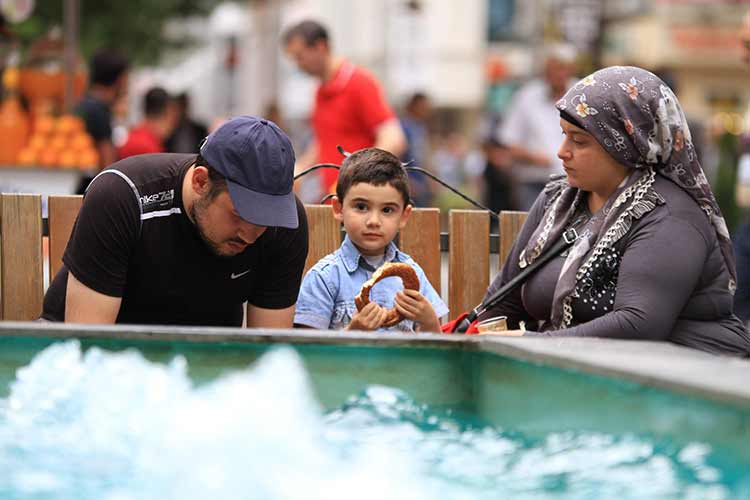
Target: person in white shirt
530	128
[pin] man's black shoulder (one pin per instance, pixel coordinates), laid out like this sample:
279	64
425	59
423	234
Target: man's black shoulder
150	168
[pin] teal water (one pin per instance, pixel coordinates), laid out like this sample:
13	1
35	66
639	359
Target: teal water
177	420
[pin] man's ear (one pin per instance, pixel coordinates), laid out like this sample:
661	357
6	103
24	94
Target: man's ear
405	216
200	182
338	209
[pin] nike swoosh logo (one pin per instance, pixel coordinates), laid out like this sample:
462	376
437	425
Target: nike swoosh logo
235	276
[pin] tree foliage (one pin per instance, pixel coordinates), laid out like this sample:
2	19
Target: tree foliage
136	27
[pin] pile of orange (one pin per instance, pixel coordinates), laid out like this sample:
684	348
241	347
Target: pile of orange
59	142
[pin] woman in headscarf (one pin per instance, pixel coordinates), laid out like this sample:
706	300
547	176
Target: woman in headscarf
653	260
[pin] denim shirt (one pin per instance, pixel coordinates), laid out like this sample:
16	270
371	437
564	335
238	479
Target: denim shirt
326	298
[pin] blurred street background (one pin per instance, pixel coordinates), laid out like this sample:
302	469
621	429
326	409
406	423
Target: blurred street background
450	69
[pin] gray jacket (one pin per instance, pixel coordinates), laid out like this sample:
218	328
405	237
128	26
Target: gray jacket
664	280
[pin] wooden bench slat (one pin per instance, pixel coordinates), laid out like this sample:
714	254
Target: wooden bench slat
511	223
325	235
421	240
21	265
63	211
468	260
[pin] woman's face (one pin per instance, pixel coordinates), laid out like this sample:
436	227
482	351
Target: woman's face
586	164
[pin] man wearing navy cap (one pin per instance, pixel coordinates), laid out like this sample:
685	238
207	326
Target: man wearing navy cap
185	239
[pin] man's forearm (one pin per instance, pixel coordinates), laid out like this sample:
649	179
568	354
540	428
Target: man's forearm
390	137
258	317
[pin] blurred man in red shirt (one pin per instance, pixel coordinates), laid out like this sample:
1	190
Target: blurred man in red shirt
350	108
149	135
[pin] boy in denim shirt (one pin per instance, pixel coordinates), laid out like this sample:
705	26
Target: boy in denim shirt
372	201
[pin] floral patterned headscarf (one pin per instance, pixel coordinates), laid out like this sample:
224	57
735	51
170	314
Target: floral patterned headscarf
637	119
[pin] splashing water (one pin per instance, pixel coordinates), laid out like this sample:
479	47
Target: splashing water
464	461
114	426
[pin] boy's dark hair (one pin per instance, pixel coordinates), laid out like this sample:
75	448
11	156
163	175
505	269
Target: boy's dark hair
373	166
155	102
107	66
309	31
218	181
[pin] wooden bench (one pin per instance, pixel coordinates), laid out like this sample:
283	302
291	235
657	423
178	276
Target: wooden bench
22	256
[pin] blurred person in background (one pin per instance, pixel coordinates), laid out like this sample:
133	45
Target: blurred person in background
188	133
272	112
158	122
350	109
414	122
497	171
448	158
530	127
108	82
460	165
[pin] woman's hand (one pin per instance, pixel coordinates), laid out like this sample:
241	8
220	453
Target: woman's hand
369	318
414	306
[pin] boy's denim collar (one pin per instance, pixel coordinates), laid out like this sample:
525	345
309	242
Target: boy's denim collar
350	255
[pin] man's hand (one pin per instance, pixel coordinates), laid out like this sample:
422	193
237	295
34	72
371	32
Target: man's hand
414	306
369	318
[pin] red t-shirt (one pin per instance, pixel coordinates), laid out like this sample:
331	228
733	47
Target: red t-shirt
348	110
141	140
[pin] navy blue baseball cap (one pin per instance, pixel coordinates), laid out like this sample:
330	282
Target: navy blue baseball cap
257	159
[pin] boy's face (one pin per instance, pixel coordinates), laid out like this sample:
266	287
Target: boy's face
372	216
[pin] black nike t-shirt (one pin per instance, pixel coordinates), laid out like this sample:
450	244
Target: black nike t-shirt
133	239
